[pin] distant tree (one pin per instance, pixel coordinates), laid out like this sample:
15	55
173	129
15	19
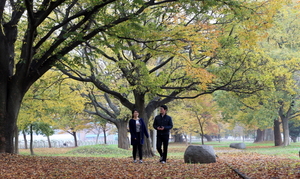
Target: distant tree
46	130
39	128
294	130
98	126
201	112
283	47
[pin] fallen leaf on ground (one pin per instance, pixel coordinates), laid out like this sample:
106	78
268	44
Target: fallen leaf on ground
252	165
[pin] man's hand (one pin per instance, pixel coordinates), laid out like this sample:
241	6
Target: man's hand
160	128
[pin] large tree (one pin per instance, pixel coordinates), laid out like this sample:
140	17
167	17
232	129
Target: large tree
282	45
278	103
168	55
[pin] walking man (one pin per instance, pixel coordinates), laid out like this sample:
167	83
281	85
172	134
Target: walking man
163	124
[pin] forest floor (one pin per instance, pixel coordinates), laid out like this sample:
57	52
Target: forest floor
230	164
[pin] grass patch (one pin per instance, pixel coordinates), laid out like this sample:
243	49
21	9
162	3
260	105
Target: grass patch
46	151
175	151
222	144
99	151
266	148
82	151
291	151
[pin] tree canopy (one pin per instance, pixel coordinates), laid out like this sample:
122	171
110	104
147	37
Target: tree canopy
279	99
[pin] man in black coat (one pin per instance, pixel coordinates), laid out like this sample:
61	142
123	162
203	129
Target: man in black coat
163	124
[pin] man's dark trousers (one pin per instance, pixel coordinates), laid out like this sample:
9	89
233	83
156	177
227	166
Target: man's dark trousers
162	140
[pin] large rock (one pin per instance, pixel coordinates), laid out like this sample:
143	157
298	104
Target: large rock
199	154
238	145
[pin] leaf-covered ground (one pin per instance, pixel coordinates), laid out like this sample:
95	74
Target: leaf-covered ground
249	164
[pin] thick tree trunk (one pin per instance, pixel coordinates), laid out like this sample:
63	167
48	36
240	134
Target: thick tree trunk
178	138
284	116
208	137
147	148
75	139
277	133
25	139
294	138
12	91
148	145
259	136
123	141
9	110
286	131
104	137
4	116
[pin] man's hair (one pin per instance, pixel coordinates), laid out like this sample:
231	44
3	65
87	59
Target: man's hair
164	106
